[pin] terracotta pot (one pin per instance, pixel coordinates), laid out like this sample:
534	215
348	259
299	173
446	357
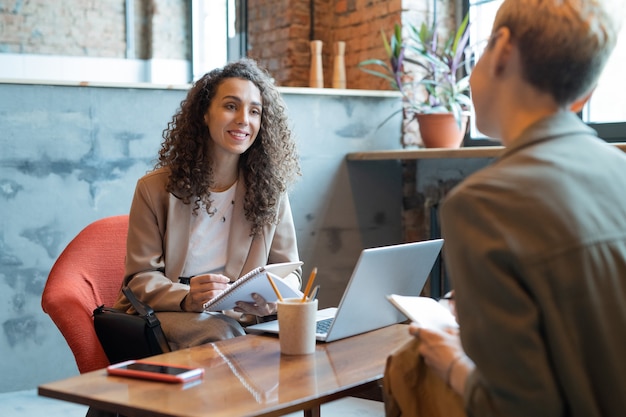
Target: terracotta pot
440	130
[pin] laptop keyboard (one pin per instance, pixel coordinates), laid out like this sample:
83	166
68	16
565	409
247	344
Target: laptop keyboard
324	325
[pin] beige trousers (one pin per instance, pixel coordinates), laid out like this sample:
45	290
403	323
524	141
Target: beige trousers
186	329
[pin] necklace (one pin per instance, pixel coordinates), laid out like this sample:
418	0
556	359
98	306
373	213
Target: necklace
223	203
222	212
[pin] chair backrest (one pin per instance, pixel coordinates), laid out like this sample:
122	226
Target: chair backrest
88	273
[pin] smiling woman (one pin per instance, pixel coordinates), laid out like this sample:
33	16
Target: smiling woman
215	207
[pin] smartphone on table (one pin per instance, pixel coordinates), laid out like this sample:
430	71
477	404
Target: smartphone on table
155	371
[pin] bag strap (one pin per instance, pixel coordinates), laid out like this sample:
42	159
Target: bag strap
142	308
152	320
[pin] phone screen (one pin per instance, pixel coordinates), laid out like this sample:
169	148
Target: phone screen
160	369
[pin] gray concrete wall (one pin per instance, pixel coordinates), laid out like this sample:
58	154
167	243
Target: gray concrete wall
72	154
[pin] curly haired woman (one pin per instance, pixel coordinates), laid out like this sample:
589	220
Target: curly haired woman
215	206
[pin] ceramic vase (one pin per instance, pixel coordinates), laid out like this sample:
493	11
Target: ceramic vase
339	66
316	77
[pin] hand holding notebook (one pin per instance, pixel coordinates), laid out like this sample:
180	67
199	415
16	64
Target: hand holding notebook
256	281
424	311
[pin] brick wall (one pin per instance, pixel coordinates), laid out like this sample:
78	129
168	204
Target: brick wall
358	23
94	28
169	37
279	31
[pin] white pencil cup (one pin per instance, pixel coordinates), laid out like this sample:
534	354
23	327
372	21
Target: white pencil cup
296	322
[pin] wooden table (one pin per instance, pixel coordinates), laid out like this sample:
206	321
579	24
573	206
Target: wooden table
244	376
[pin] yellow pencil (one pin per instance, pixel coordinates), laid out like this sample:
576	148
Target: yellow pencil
309	284
280	297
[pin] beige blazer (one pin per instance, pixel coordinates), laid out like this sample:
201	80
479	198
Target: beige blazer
158	238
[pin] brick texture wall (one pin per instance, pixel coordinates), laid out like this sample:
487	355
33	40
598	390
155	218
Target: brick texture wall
95	28
168	31
358	23
279	31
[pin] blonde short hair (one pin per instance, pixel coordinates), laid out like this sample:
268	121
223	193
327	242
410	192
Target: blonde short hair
564	44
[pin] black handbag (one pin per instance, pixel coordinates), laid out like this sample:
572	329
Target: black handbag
129	336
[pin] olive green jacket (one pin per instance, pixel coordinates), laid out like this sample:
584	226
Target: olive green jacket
535	247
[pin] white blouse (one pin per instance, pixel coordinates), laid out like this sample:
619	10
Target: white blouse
209	235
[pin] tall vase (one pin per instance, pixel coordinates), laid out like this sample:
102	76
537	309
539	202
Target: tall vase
316	77
339	66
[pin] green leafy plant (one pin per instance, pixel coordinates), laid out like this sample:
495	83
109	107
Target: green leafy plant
431	75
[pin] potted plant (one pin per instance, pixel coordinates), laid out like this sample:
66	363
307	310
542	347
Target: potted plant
431	75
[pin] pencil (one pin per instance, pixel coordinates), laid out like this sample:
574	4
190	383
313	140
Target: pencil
280	297
309	284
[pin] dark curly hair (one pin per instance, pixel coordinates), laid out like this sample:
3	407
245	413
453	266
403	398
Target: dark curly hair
269	166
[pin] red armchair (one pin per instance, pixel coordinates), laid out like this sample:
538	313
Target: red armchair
88	273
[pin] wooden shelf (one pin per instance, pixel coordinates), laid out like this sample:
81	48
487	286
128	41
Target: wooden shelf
407	154
473	152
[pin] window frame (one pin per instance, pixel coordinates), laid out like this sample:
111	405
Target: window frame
614	132
236	44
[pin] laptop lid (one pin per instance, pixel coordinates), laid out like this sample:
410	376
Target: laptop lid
396	269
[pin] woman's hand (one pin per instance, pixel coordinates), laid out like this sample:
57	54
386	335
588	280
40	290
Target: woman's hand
259	307
203	288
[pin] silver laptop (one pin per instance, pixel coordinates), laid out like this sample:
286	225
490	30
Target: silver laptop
397	269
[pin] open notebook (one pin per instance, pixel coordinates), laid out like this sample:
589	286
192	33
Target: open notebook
396	269
256	281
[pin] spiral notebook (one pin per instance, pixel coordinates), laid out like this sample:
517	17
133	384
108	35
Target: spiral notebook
256	281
